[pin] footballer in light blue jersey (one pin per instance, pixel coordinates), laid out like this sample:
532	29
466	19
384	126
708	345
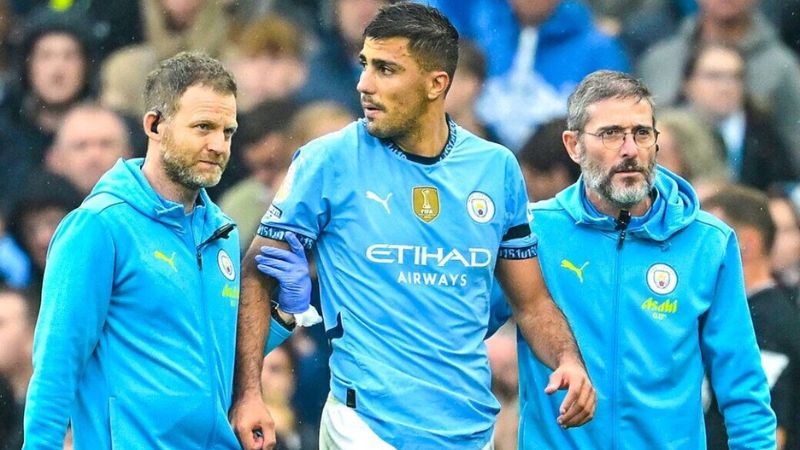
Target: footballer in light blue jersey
407	244
406	248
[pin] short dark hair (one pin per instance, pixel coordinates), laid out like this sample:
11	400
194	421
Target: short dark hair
745	206
471	59
545	150
700	48
599	86
433	40
166	84
43	23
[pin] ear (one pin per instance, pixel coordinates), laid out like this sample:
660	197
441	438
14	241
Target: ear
439	83
570	140
150	123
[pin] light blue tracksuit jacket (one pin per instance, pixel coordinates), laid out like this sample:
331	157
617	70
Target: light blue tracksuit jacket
650	314
135	341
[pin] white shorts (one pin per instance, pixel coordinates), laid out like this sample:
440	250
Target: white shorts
342	429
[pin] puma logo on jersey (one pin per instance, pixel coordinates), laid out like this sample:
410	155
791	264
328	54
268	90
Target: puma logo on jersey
373	196
578	271
171	260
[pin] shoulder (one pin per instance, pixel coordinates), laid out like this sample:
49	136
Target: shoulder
85	224
469	143
711	226
99	203
546	206
548	214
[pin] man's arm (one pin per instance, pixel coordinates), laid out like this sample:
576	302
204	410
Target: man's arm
76	295
732	359
248	415
547	332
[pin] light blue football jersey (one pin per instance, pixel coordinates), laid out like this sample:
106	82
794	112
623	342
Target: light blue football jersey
406	248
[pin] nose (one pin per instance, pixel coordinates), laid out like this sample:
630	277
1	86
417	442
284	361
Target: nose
365	85
629	148
218	142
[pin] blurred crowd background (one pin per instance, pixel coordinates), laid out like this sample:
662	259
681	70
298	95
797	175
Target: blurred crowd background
725	75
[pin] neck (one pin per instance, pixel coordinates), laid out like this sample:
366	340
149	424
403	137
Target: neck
429	137
756	273
731	31
164	186
610	209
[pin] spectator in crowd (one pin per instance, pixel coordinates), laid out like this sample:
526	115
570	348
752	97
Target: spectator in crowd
111	23
466	88
268	62
334	68
17	320
771	73
714	89
88	143
785	257
55	73
170	26
688	148
278	383
38	209
306	14
776	321
537	52
547	168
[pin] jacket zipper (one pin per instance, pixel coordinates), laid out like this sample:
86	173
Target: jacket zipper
623	220
622	226
220	233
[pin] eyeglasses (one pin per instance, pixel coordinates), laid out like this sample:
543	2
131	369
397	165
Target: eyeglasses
613	138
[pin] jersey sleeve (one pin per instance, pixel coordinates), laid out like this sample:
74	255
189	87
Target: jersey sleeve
278	334
302	203
518	241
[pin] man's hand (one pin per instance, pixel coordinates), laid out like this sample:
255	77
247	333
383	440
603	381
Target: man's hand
581	399
252	424
290	268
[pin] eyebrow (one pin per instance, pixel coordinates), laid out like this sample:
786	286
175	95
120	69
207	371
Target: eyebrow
379	62
617	127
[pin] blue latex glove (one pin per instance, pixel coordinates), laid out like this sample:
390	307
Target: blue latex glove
290	268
